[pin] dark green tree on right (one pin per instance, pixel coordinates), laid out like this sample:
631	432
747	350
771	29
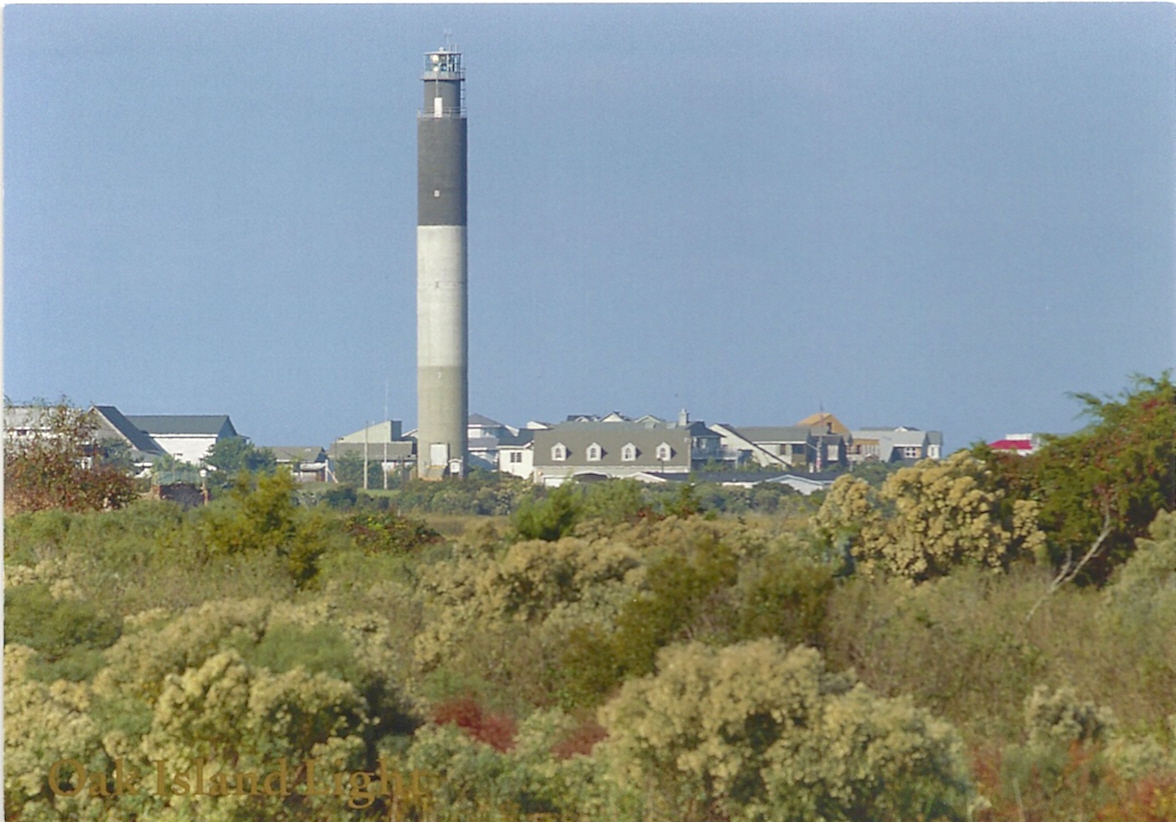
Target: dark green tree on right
1099	488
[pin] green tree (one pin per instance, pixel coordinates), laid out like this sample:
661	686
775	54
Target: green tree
1100	488
260	515
552	516
232	455
349	471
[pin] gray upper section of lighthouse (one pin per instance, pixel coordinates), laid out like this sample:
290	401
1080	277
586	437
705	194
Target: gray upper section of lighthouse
441	143
441	172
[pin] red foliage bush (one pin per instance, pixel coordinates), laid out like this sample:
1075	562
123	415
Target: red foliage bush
1151	799
496	730
1084	788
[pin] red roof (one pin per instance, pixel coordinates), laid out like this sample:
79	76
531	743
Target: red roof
1011	445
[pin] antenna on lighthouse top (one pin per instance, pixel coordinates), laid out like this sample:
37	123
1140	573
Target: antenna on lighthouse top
447	38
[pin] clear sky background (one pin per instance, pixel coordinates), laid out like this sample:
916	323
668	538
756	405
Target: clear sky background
944	216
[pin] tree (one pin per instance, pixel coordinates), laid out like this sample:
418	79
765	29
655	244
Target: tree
1100	488
550	518
60	464
232	455
260	515
349	471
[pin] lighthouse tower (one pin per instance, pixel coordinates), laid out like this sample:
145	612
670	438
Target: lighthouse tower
442	294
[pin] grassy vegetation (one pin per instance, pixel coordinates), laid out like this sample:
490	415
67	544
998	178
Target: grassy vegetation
607	652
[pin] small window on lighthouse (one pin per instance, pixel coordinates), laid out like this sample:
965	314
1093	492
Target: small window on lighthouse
437	107
436	192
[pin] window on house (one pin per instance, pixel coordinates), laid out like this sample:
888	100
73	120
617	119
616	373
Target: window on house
559	452
664	452
516	456
911	452
594	452
628	452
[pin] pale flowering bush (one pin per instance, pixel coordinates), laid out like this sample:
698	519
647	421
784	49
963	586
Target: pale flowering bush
45	723
757	732
535	585
928	518
239	685
1144	590
1059	717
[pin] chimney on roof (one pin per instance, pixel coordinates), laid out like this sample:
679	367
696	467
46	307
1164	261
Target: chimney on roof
683	418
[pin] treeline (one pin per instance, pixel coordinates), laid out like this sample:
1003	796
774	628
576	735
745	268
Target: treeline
976	639
490	493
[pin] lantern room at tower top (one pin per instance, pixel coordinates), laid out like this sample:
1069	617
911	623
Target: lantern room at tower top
444	87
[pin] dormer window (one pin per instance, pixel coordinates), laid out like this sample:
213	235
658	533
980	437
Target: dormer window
664	452
559	452
628	452
594	452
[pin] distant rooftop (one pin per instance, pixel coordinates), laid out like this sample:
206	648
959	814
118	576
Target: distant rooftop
199	424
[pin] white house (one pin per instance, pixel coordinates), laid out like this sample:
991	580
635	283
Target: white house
901	444
186	437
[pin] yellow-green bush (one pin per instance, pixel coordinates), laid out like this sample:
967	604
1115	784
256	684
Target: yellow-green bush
756	732
927	519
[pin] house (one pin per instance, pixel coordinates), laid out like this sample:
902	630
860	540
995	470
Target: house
738	448
386	431
186	437
830	440
803	483
110	427
795	447
1020	444
516	454
307	463
614	446
23	423
484	437
825	423
792	444
381	442
901	444
113	426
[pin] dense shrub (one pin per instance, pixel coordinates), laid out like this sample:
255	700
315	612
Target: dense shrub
260	515
1102	486
927	519
745	733
241	684
61	464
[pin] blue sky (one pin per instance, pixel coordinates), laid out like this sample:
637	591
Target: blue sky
945	216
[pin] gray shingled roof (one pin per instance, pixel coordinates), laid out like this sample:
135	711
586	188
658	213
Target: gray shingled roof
777	433
483	421
212	425
298	453
132	433
524	436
